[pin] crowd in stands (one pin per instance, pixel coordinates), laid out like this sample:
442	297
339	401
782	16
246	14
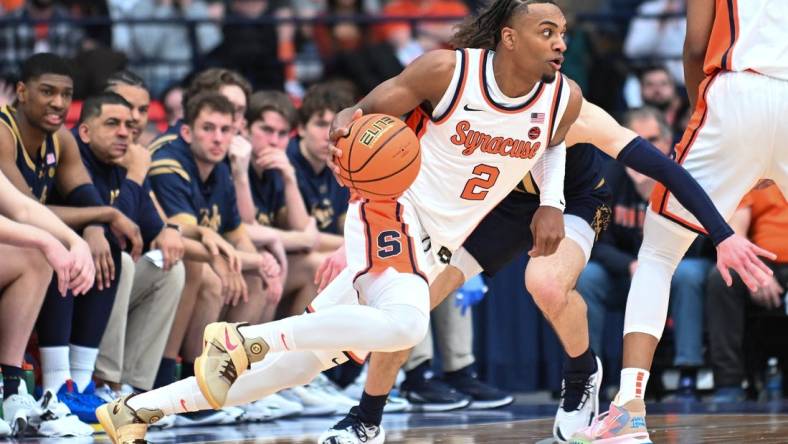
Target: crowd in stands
179	166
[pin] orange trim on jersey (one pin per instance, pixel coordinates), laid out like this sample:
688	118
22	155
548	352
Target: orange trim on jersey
554	107
722	39
355	358
660	194
417	121
458	90
514	109
388	243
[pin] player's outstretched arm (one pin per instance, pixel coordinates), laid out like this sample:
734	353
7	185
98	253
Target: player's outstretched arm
597	127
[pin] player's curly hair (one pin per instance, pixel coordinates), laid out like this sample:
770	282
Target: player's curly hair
484	29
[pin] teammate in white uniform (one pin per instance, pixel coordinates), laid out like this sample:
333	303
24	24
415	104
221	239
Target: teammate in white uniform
380	302
736	69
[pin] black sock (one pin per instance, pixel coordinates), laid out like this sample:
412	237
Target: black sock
583	364
371	408
187	369
11	377
688	372
166	373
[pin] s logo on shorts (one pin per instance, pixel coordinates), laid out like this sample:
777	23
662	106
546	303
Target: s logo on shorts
389	244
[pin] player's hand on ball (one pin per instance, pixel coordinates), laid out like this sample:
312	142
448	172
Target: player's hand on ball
741	255
330	268
340	127
547	227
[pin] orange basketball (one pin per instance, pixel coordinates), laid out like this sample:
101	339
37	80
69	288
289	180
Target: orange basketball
381	157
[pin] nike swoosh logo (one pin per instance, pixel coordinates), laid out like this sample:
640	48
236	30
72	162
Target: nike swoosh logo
335	361
227	343
282	337
468	108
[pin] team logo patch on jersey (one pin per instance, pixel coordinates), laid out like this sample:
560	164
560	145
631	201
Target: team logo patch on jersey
50	159
534	132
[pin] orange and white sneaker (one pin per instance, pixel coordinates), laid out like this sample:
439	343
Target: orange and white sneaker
625	424
226	354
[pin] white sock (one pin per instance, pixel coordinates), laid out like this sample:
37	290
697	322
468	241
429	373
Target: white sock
178	397
83	362
275	372
55	367
633	385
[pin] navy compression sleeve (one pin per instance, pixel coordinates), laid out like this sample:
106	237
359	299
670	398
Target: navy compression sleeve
643	157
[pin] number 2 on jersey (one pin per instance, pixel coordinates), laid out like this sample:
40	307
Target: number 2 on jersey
477	187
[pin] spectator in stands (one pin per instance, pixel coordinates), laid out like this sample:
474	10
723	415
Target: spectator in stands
658	90
325	199
279	208
659	38
34	237
429	35
172	100
132	88
193	185
605	281
148	294
166	48
22	39
41	158
763	216
261	63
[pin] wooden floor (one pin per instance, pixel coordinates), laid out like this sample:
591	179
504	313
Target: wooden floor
668	423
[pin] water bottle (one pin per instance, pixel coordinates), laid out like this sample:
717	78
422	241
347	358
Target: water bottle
774	380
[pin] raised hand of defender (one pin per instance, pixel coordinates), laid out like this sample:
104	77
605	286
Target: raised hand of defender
340	127
741	255
547	228
331	267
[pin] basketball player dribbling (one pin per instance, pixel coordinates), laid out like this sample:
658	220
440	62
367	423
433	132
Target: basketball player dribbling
737	80
484	135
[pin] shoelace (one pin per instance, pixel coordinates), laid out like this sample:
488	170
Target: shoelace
575	386
353	422
228	371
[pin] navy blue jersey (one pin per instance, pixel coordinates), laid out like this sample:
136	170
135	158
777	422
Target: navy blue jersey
268	194
126	195
38	171
187	199
173	133
505	232
324	198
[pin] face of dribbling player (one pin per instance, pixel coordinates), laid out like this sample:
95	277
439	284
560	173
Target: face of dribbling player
536	40
210	135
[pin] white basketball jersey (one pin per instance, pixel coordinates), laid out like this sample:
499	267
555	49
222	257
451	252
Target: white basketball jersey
749	35
477	145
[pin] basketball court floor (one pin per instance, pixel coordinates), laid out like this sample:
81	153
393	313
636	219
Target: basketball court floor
669	423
